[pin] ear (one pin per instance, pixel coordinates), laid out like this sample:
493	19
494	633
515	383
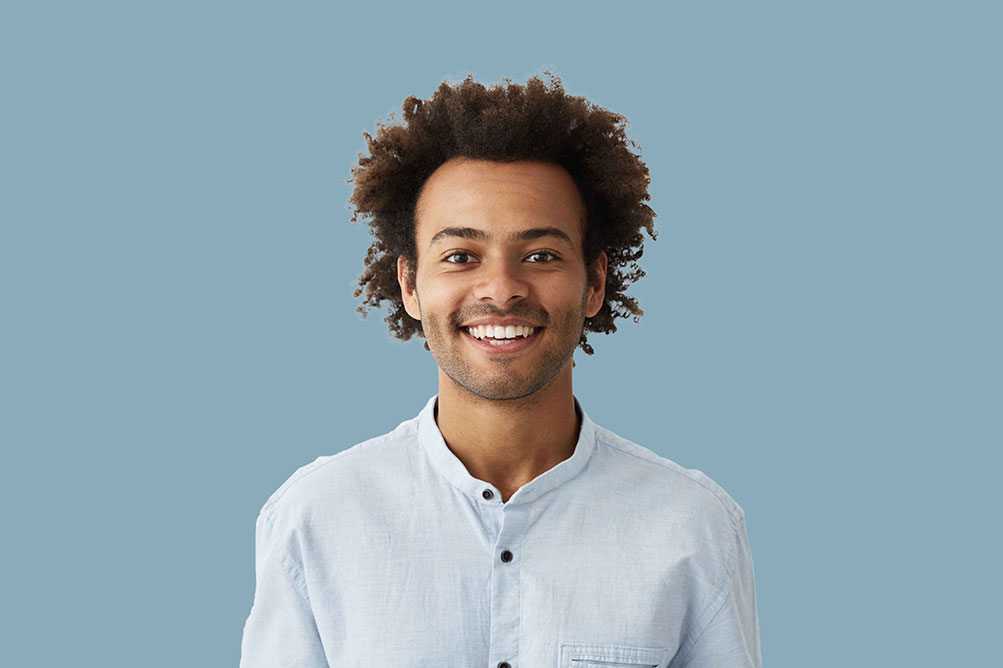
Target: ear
597	285
409	295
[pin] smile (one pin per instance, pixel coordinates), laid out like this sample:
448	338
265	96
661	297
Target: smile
502	346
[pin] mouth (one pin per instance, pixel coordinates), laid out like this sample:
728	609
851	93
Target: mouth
502	347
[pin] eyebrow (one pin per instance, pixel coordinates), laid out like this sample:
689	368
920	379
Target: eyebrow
481	235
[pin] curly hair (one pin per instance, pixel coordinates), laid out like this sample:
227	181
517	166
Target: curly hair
535	122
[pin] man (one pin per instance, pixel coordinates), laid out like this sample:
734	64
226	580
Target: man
501	527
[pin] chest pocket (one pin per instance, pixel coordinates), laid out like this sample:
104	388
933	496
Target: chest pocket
611	656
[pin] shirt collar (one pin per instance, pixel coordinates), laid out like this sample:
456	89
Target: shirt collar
449	465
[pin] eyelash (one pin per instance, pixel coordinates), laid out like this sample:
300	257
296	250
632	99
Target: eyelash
539	252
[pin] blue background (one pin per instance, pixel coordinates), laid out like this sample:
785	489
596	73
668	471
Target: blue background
821	337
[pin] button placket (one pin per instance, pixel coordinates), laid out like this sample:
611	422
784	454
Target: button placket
506	615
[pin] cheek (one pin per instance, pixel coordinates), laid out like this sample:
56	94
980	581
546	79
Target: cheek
440	299
565	297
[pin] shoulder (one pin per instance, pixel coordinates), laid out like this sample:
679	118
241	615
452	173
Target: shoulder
682	511
688	510
692	485
320	487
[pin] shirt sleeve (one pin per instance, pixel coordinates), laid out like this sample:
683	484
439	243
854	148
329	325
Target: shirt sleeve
280	630
730	639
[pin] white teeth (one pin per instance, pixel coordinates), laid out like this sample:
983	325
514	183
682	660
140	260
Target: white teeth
499	332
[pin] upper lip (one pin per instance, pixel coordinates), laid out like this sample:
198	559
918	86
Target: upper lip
501	322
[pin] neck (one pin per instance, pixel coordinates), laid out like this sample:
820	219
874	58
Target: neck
509	442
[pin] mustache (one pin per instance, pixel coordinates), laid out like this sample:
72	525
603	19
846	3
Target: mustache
524	313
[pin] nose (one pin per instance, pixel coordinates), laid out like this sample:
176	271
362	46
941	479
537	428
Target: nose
500	282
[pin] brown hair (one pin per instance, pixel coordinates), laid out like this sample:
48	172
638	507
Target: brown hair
504	124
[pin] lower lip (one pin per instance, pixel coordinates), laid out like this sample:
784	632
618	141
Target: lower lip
507	348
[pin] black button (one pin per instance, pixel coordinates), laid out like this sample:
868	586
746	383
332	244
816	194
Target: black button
488	494
506	556
504	664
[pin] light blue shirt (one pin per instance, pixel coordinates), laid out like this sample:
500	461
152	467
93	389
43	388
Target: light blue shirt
390	553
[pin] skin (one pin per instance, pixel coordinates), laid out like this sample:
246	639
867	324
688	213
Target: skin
508	418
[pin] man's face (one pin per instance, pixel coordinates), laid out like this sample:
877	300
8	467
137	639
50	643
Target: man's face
473	268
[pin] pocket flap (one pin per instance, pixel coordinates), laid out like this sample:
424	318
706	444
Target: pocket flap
582	655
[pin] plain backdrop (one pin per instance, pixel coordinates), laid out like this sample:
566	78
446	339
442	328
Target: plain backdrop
822	319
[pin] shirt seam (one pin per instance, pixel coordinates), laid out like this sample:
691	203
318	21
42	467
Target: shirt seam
694	636
723	595
733	512
735	516
299	475
294	573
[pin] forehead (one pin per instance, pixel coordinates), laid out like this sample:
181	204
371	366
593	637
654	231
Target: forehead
498	196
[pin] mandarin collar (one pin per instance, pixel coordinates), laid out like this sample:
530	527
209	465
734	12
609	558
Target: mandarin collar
450	466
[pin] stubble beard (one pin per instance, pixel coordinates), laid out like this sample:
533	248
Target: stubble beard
500	383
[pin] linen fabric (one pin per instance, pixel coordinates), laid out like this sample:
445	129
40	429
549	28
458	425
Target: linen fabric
390	553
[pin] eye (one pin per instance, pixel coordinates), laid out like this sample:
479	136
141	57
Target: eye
461	254
553	255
